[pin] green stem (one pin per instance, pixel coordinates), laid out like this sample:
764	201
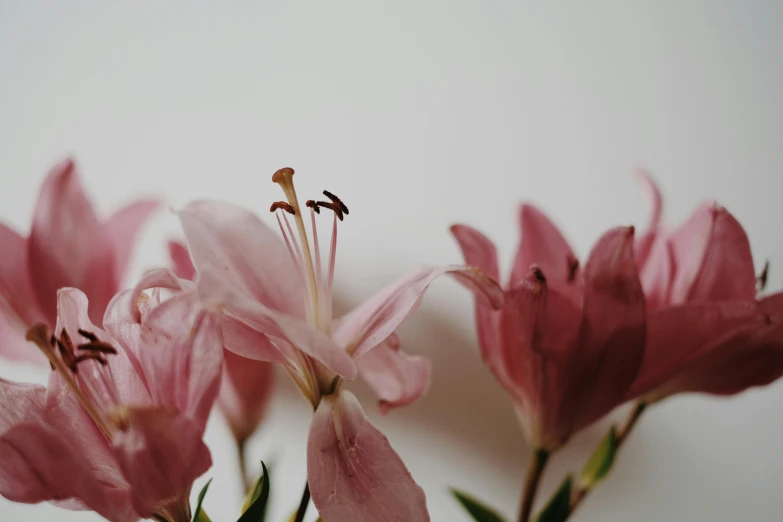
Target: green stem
535	470
300	514
622	435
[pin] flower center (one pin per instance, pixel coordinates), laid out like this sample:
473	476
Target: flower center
308	262
92	390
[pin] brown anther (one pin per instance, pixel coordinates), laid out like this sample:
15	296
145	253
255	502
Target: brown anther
538	274
285	172
313	205
98	346
334	207
88	335
761	280
573	266
278	205
337	201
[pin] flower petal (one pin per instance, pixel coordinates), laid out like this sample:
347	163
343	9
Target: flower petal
372	322
542	244
180	259
479	251
713	258
644	242
612	334
354	474
160	453
220	294
244	393
681	335
68	246
123	228
182	356
397	378
539	330
246	251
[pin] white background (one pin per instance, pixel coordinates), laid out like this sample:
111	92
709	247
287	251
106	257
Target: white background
420	115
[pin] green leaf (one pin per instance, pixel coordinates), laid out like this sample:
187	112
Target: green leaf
600	461
478	511
559	506
199	515
258	499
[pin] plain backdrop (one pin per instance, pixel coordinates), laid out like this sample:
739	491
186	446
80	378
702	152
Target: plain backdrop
419	115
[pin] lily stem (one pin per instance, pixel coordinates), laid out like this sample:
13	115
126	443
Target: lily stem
241	456
535	470
300	514
622	435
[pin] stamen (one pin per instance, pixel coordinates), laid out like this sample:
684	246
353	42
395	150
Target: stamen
337	201
282	205
330	272
313	205
761	280
285	178
89	335
98	346
334	207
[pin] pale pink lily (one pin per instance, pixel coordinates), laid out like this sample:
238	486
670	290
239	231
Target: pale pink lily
119	428
247	384
68	246
710	334
281	291
569	341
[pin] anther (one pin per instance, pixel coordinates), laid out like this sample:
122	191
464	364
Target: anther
98	346
337	201
313	205
277	205
331	206
538	274
88	335
761	280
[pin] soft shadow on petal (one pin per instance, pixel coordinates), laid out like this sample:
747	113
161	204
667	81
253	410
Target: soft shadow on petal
398	379
123	228
180	260
244	393
353	473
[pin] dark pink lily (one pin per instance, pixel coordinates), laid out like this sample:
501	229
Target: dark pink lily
119	428
569	341
68	246
710	333
276	299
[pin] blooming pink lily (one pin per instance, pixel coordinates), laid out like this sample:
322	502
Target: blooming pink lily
119	428
569	341
247	384
710	333
68	246
281	292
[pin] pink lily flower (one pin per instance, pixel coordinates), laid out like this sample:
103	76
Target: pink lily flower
711	334
247	384
119	428
281	291
68	246
569	341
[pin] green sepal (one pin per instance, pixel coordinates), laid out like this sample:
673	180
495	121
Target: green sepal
477	510
600	461
200	515
559	506
257	499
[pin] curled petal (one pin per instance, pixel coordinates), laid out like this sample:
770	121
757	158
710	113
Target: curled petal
160	453
123	228
398	379
180	259
246	251
713	258
354	474
373	321
68	246
612	334
682	335
539	330
219	294
644	242
181	355
542	244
